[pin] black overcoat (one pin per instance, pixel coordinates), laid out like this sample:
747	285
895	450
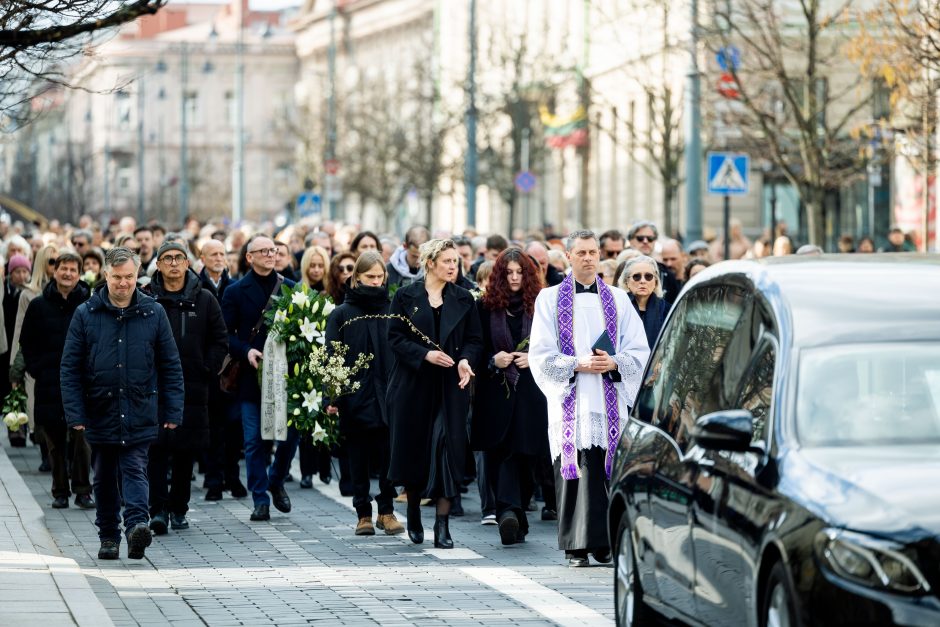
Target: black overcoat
514	419
364	408
410	400
199	330
42	340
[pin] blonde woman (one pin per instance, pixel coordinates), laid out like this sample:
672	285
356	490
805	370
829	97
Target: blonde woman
436	342
314	266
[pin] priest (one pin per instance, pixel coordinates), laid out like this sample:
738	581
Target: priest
587	353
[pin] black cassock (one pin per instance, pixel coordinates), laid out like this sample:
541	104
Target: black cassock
582	504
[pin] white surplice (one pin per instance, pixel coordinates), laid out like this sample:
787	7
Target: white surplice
553	370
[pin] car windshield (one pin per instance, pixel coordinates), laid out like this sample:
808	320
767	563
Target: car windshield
869	394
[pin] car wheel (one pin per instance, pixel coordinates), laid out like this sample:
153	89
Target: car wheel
629	606
779	607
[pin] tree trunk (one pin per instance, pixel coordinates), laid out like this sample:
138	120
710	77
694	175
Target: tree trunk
814	199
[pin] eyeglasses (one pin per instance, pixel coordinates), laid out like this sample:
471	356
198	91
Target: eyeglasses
347	268
645	238
51	262
645	276
79	244
173	259
266	252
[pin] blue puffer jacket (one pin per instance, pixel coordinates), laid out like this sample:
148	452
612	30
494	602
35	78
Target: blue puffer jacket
121	373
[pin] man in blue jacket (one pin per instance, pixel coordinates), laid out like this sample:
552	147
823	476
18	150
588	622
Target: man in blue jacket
121	378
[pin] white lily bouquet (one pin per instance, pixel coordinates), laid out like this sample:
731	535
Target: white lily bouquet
14	409
301	376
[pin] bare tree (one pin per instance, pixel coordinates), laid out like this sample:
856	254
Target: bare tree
797	98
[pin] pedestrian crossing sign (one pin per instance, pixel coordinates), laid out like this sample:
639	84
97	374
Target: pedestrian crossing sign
728	173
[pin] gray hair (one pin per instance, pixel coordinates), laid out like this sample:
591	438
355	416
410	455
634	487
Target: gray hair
118	256
625	275
83	233
642	224
575	236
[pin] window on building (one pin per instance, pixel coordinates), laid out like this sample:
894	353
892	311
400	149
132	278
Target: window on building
123	109
230	111
193	112
880	100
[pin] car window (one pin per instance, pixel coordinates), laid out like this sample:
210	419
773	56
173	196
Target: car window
757	389
685	376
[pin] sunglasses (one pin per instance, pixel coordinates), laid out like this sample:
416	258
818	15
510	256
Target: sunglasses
51	262
346	268
79	244
645	238
645	276
611	254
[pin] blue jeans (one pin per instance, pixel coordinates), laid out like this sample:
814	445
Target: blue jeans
111	461
257	452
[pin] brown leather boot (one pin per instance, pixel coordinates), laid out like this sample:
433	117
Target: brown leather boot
365	528
390	524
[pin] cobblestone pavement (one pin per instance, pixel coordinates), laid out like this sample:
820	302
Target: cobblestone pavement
308	567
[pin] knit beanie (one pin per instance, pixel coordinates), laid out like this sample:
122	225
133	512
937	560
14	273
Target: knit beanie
19	261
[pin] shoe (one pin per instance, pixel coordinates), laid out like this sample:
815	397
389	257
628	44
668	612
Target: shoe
138	539
110	550
533	506
508	528
389	524
45	466
520	537
260	512
84	501
159	523
489	519
60	502
577	562
306	482
325	479
178	521
237	489
214	494
402	498
442	538
365	528
549	514
289	478
413	520
280	499
602	557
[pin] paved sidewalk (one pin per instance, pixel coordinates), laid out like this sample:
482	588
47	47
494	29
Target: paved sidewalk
304	567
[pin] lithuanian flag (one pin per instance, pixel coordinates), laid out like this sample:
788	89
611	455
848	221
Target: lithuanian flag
561	131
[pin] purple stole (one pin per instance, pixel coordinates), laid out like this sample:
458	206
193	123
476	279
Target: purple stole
569	457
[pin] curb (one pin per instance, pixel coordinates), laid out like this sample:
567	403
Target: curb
74	589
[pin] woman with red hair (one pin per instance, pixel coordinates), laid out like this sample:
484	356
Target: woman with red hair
509	414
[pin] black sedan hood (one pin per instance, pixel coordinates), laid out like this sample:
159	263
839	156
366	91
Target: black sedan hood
883	490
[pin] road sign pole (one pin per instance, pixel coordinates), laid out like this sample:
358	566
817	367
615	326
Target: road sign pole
693	139
727	225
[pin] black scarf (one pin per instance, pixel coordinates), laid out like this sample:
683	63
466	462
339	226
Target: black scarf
369	299
502	336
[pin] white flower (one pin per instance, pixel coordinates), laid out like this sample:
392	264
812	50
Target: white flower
313	309
319	433
308	330
312	401
328	307
300	299
22	418
280	316
11	421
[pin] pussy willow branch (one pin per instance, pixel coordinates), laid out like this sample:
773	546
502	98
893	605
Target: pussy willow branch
404	319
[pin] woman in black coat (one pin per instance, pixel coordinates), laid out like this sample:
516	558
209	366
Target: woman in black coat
363	419
428	398
640	279
509	411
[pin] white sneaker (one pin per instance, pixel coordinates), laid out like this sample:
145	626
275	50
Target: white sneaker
489	519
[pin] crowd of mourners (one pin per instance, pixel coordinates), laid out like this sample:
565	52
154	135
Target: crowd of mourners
505	366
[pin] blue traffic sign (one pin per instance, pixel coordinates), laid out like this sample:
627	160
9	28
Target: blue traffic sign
728	173
729	58
309	203
525	181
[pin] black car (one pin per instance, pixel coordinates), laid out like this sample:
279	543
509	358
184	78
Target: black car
781	465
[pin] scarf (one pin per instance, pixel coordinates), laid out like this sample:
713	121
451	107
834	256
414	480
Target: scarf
569	460
274	391
502	336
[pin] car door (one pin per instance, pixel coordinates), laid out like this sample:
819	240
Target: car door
731	505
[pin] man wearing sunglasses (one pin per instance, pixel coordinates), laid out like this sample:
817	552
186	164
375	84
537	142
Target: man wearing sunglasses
643	236
612	244
243	304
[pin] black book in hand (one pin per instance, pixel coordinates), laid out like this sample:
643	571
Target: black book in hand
603	343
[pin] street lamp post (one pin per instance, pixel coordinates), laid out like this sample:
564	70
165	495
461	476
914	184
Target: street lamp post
330	187
238	161
470	172
184	159
693	142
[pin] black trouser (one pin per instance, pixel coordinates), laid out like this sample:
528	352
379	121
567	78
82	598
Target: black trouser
510	475
179	461
314	458
69	454
115	463
485	486
545	476
365	449
225	442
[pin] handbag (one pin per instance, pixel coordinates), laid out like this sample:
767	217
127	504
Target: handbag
231	366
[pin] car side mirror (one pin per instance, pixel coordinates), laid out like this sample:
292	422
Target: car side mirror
727	430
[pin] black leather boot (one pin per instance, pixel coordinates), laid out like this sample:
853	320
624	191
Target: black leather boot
415	529
442	533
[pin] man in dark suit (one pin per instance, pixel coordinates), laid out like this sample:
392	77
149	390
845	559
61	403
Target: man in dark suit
539	253
243	305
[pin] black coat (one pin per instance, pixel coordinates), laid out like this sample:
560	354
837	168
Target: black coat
671	285
364	408
196	320
121	371
515	419
410	400
242	305
219	291
45	326
655	317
